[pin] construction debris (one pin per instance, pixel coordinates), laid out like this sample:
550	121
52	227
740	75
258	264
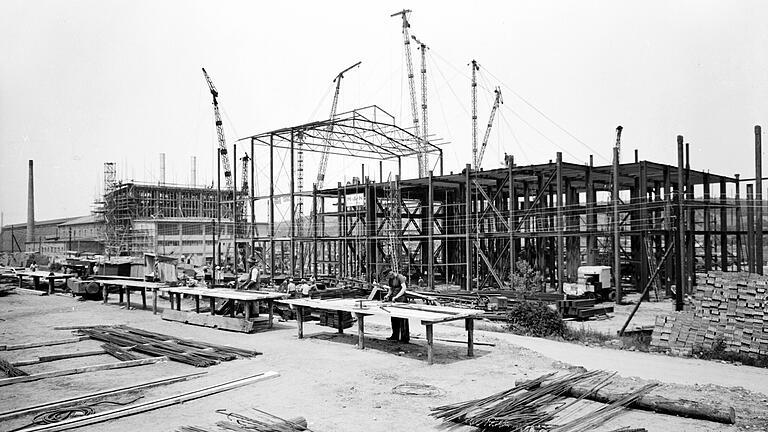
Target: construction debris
539	403
196	353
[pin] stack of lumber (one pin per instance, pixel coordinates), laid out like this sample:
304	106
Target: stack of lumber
581	309
259	421
728	308
331	319
187	351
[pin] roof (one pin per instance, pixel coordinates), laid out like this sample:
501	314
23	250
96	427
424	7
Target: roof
90	219
58	221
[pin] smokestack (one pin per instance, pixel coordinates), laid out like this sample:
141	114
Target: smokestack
193	173
162	168
31	205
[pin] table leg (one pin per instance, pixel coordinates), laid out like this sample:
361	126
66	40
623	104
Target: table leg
430	347
178	301
470	325
104	293
144	298
232	309
197	304
360	331
127	297
300	320
339	322
50	286
36	279
21	282
155	293
271	312
247	309
121	295
212	301
170	297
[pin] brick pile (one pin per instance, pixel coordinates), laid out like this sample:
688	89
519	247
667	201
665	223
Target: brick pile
729	308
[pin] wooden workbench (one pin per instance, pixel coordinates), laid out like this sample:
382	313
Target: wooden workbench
249	299
428	315
37	275
125	286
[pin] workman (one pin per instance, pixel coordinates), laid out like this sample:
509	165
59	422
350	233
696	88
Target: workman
397	286
306	288
291	289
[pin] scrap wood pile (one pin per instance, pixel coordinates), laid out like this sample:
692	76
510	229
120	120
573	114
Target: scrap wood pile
728	308
258	421
540	404
120	339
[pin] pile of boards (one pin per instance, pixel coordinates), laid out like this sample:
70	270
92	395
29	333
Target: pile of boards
581	309
728	308
196	353
331	319
257	421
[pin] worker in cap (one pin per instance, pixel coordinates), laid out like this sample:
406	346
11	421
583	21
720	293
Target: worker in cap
397	287
292	292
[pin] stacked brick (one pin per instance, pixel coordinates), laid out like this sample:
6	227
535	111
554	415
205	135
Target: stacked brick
727	308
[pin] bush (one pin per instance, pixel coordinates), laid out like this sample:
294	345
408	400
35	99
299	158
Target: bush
524	277
535	319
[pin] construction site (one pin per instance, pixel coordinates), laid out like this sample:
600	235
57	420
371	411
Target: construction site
568	295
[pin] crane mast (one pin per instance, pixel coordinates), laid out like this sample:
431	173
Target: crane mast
498	100
326	150
425	129
412	87
618	142
220	132
475	68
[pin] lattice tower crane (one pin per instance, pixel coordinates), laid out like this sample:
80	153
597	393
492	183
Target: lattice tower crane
220	131
498	100
412	87
326	150
475	68
425	134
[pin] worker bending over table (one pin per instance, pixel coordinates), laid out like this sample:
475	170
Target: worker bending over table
397	286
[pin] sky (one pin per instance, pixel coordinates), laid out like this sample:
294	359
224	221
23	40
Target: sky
88	82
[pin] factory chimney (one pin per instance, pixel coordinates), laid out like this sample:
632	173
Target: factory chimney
162	168
31	205
193	173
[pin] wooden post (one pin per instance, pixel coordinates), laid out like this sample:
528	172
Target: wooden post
431	232
467	223
300	320
723	228
559	222
751	229
707	225
470	326
616	237
669	265
738	223
339	322
360	330
643	237
197	304
144	298
591	198
680	243
212	303
51	287
759	201
155	294
314	231
271	210
430	344
292	228
512	219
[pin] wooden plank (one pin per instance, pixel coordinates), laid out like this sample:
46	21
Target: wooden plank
151	405
48	406
94	368
215	321
55	357
42	343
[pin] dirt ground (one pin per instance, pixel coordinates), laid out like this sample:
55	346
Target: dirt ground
323	378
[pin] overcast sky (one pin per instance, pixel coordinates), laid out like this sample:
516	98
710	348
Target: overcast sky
85	82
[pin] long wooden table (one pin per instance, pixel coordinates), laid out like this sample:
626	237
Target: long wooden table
125	286
428	315
249	299
37	275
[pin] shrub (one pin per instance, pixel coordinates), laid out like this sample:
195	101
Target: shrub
524	277
534	319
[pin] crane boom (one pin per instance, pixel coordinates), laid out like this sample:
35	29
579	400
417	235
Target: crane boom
326	150
475	68
220	132
425	133
412	87
496	103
